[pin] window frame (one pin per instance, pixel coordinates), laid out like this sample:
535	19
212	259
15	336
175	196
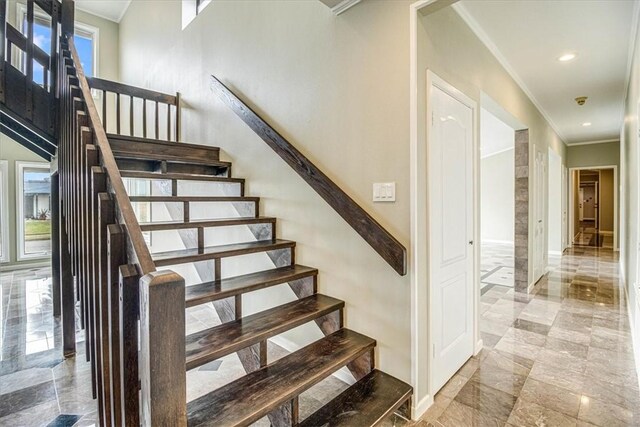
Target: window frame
20	240
4	211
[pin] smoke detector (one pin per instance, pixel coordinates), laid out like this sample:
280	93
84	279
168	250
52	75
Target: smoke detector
581	100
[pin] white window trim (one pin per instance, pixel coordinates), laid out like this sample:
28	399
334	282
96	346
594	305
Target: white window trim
4	210
20	167
80	28
191	9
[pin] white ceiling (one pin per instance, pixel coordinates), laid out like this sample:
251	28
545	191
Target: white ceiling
112	10
529	36
495	135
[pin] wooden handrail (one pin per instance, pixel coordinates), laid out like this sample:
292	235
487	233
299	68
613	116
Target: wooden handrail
136	92
375	234
134	233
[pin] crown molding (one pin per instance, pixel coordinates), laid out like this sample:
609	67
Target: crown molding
602	141
486	40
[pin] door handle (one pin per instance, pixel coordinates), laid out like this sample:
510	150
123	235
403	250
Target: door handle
471	242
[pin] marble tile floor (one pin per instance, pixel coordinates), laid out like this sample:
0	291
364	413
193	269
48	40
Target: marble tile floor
496	265
560	356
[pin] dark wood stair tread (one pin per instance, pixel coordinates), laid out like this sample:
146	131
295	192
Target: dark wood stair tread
222	222
180	199
179	177
366	403
213	343
224	288
165	150
222	251
253	396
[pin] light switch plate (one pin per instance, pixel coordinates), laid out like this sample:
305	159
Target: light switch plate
384	192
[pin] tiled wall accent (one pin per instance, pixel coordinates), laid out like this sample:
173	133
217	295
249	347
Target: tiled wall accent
521	264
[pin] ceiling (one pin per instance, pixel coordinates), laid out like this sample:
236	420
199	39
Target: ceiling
112	10
528	37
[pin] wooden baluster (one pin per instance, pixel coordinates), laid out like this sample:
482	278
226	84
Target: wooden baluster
98	186
168	122
55	237
162	366
91	156
67	297
178	118
117	257
86	139
104	110
105	217
118	113
29	63
144	118
3	53
157	122
129	314
53	52
131	115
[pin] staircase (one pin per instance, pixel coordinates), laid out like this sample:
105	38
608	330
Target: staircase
132	304
272	387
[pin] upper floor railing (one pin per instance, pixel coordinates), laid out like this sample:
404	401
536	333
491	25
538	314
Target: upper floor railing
138	111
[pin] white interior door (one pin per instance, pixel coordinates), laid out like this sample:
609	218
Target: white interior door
451	231
565	209
540	217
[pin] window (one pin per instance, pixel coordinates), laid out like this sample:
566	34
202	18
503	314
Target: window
191	9
85	38
4	211
34	210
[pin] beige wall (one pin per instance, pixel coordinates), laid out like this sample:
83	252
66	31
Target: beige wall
14	152
630	214
605	202
593	155
338	88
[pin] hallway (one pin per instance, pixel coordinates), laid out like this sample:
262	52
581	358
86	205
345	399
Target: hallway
561	356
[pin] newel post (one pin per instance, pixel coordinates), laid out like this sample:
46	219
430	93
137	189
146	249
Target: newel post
162	350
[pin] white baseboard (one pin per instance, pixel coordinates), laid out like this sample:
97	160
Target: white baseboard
343	374
419	408
479	346
606	233
635	338
555	253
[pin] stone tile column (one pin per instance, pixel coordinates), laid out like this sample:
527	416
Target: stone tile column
521	232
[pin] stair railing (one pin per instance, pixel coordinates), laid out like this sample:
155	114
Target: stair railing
383	242
162	119
102	250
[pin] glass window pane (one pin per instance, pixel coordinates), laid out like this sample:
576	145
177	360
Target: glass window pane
36	211
84	46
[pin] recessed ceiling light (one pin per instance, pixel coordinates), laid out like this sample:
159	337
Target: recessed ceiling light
567	57
585	124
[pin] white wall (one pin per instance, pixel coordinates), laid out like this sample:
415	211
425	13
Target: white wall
630	188
498	197
497	181
555	204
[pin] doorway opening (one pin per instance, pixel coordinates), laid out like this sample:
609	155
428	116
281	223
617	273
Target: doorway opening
497	204
594	207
